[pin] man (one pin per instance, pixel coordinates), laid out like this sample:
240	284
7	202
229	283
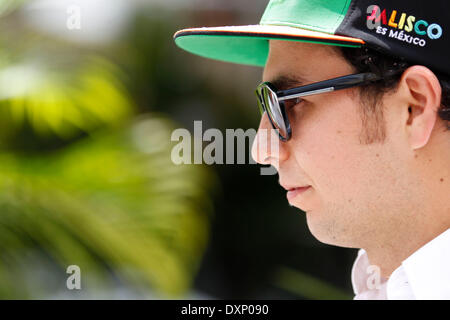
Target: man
358	93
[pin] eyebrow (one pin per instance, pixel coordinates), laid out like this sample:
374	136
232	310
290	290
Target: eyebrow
285	82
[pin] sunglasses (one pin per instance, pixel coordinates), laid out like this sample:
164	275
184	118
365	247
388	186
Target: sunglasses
272	101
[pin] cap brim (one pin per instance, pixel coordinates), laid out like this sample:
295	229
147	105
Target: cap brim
249	44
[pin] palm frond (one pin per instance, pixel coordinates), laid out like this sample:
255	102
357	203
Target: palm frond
62	98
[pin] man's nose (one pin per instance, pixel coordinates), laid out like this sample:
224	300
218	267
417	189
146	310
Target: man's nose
266	146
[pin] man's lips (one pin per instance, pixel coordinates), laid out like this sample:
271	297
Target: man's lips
293	192
292	187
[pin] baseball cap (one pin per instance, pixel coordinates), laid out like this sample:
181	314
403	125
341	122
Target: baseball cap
413	30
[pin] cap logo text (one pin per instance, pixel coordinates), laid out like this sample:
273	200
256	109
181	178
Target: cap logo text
402	26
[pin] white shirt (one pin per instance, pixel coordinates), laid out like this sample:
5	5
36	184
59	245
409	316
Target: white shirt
423	275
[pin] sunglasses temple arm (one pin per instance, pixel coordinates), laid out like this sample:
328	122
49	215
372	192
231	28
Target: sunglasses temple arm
329	85
307	93
355	80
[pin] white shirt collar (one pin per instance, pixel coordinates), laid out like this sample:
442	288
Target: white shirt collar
423	275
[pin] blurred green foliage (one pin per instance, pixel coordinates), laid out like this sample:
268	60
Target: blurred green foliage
112	200
307	286
62	99
7	6
86	179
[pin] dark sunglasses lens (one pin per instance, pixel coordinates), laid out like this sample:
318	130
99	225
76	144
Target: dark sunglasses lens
270	101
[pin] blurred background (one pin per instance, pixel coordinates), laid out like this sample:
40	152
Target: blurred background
90	92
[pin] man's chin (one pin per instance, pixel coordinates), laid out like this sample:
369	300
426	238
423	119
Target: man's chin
326	232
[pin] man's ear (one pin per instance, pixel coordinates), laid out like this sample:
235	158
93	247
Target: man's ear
423	92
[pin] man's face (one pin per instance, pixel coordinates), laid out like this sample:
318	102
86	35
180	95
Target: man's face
355	185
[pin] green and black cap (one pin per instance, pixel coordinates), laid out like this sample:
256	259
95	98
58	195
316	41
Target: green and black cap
412	29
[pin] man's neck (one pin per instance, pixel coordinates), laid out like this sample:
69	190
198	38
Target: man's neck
388	256
427	216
